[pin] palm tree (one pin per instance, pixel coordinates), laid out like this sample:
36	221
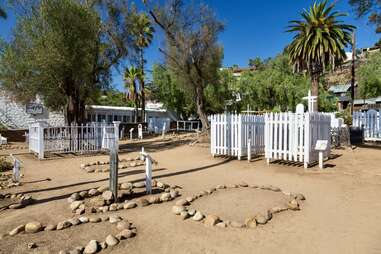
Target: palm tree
144	35
131	76
319	42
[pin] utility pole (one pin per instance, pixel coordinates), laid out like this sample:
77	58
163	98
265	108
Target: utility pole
353	70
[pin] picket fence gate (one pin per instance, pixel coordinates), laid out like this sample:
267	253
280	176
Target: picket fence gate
92	137
230	134
293	136
370	122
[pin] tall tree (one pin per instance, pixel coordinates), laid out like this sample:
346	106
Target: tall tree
131	78
192	52
319	42
370	76
370	8
63	50
143	31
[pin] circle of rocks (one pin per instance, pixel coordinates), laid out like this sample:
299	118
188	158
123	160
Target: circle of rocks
106	201
92	167
126	230
20	200
183	209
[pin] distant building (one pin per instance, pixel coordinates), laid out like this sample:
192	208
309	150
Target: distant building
237	71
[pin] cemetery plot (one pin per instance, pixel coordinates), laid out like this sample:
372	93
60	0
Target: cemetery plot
14	201
104	166
254	212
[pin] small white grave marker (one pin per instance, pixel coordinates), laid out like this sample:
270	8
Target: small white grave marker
321	146
149	162
299	109
16	169
163	131
140	131
131	130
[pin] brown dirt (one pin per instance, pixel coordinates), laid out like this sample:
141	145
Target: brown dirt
341	213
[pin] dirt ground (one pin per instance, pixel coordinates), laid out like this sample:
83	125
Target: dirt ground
341	213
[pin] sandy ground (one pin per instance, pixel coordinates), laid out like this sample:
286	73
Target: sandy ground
341	213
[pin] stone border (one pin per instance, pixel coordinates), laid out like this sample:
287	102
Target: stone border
13	147
126	230
89	167
183	209
77	204
22	200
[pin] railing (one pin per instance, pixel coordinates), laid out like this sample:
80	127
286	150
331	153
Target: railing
370	122
187	125
230	134
88	138
292	136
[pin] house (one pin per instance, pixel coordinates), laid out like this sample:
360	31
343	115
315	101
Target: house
343	95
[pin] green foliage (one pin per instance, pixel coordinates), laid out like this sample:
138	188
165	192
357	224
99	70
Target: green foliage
5	165
114	98
370	8
370	76
346	115
166	89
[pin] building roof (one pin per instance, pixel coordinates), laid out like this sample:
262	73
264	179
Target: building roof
340	88
367	101
101	107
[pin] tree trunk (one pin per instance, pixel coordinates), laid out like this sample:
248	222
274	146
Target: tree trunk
200	109
143	98
315	91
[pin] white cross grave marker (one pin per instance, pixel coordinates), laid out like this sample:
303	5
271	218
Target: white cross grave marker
149	162
311	101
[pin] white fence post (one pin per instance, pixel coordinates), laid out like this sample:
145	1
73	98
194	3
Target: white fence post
40	136
116	134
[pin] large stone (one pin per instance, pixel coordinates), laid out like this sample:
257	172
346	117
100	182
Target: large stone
243	184
33	227
95	219
91	247
221	224
198	216
129	205
221	186
182	202
114	219
192	211
211	220
293	205
251	223
63	224
107	195
277	209
75	196
139	185
143	202
89	169
154	199
123	225
274	188
184	215
74	221
174	193
75	205
111	240
165	197
103	188
125	234
268	215
97	201
261	219
50	227
236	224
190	199
17	230
93	192
83	194
300	196
126	186
178	209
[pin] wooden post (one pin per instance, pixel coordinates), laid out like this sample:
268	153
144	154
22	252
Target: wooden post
140	131
248	150
114	161
131	130
353	70
148	175
321	160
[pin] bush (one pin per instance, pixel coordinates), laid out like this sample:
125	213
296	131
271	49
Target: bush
5	165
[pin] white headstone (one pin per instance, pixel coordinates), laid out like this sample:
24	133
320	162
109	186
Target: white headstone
140	131
299	109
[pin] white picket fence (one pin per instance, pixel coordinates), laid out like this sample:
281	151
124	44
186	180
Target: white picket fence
187	125
370	122
156	125
292	136
230	134
93	137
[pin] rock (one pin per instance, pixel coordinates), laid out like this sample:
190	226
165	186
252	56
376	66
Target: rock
126	186
243	184
107	195
184	215
75	196
16	206
221	186
154	183
103	188
236	224
106	170
160	185
129	205
198	216
266	187
123	225
75	251
114	219
93	192
174	193
74	221
26	200
80	211
211	220
83	194
95	219
275	189
111	240
106	218
251	223
113	207
261	219
139	185
17	230
165	197
210	191
221	224
103	245
104	209
143	202
63	224
268	215
33	227
277	209
182	202
89	169
300	196
125	234
190	199
232	186
32	245
75	205
191	212
91	247
154	200
178	209
50	227
293	205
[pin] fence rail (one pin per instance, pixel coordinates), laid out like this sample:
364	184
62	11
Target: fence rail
370	122
88	138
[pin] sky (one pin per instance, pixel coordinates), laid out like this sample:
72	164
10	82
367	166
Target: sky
252	28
